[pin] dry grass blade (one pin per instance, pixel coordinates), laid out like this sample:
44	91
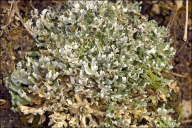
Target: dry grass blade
20	18
13	11
186	121
2	101
186	22
11	14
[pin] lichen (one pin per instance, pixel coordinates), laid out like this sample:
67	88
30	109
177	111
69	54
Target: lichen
100	64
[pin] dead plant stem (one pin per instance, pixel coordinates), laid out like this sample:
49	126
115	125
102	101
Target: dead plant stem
186	22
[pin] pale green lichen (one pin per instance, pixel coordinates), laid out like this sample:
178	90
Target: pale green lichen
164	120
98	61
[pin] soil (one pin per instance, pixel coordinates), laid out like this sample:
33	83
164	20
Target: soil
15	42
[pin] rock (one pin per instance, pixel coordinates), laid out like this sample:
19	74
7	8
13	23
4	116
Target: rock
155	9
186	107
179	4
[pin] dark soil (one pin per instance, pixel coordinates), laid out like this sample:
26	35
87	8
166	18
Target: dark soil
15	42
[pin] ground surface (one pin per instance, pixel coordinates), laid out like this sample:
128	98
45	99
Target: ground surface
15	42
